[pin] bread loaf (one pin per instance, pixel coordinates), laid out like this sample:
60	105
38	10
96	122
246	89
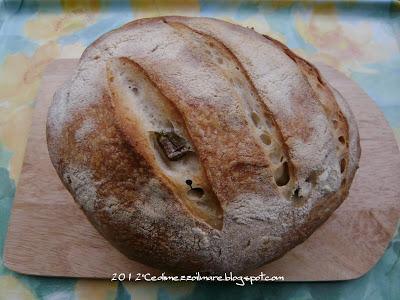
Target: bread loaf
193	144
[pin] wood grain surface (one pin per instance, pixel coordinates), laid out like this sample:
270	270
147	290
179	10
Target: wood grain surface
49	235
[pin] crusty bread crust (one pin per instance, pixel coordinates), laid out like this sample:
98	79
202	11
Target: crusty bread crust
194	144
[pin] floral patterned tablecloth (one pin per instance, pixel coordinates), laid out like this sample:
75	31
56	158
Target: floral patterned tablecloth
359	38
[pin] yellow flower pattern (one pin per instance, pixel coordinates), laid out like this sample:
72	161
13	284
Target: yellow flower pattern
258	22
13	135
149	290
347	46
16	95
79	5
155	8
26	74
11	288
78	15
92	289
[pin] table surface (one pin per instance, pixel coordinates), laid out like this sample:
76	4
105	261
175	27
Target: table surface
359	38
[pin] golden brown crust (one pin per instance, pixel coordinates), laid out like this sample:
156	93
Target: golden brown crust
193	144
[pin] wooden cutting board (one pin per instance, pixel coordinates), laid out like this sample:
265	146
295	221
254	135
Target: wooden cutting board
49	235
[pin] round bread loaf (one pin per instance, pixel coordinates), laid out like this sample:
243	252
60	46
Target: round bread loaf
193	144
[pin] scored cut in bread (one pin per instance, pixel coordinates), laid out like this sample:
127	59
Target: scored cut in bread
193	144
144	116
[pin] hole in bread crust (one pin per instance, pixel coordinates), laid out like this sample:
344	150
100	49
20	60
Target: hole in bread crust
266	139
195	193
281	174
135	90
296	193
312	178
248	243
255	118
299	196
342	165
